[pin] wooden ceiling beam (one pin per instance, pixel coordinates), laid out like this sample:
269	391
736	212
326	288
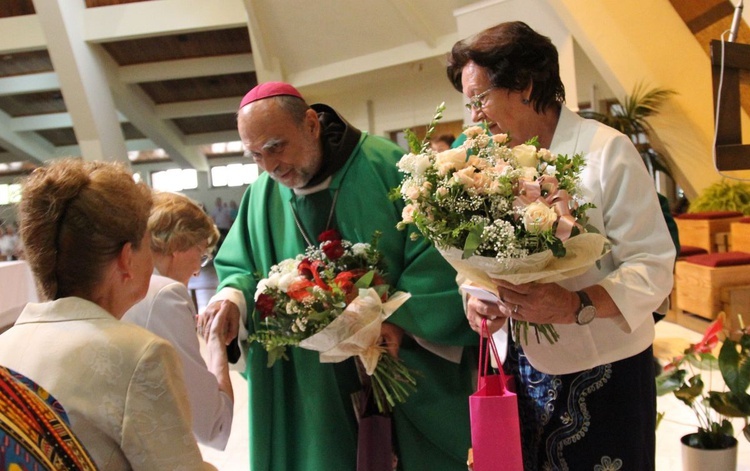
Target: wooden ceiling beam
25	145
20	34
144	19
187	109
186	68
29	83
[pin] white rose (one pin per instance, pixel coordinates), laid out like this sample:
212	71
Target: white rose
499	139
546	155
526	155
538	217
421	164
360	248
451	159
288	266
465	177
261	287
287	279
473	131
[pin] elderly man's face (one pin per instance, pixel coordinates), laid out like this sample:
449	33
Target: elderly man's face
289	151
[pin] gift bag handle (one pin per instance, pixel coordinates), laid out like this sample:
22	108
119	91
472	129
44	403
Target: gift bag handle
484	356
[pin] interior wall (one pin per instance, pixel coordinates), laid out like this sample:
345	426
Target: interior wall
646	41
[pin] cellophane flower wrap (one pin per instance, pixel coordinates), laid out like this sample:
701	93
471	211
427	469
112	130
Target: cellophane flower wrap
502	212
333	299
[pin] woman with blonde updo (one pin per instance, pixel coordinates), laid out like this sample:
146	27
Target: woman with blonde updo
84	228
183	237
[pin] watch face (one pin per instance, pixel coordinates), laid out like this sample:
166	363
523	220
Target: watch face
586	315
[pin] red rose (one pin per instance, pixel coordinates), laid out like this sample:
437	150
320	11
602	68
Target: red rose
265	305
330	234
300	290
333	249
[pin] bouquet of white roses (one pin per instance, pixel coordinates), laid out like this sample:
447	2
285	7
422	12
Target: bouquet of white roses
496	211
333	299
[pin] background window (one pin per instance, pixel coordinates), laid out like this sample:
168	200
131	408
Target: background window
10	193
233	174
176	179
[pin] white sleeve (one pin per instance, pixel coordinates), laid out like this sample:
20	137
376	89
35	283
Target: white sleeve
173	318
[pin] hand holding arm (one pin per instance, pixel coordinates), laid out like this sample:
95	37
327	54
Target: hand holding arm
232	314
217	362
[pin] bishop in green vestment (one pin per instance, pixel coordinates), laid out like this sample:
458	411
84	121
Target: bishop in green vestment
322	173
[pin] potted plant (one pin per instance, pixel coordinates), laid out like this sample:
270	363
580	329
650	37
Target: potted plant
630	117
713	409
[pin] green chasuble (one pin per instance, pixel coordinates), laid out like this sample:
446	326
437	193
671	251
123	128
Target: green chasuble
300	412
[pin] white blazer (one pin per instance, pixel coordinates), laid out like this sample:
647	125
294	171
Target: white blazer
168	311
121	385
636	273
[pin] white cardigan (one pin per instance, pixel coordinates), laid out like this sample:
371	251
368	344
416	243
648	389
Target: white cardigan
168	311
637	272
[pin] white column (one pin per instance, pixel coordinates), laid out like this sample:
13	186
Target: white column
82	80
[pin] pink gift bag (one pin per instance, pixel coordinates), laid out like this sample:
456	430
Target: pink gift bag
495	429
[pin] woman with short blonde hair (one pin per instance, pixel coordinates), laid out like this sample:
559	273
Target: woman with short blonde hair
183	237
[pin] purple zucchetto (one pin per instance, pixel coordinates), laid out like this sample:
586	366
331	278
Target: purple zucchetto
267	90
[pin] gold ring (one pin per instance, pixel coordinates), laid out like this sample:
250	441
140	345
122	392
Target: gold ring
515	309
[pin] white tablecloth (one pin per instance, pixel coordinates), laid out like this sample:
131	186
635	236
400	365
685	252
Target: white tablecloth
16	289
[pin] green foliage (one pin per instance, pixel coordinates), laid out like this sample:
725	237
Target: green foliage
415	145
631	119
723	196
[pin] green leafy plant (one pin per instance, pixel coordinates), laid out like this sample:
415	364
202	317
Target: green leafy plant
631	119
683	377
723	196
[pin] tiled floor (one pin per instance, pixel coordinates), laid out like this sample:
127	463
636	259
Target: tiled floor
678	420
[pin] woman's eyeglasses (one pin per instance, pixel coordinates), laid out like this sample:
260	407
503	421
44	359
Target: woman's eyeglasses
205	258
477	101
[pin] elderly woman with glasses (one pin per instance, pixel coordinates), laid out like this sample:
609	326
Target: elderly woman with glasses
84	228
182	239
589	400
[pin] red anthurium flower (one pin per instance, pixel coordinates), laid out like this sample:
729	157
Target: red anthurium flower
305	268
347	276
710	338
333	249
300	290
264	305
330	234
345	281
310	270
316	275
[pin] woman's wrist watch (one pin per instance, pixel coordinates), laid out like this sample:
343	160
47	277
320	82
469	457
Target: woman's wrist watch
587	312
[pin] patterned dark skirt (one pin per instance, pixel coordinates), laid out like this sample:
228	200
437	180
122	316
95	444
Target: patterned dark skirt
602	419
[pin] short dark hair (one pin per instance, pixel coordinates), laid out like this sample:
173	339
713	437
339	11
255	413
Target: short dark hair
515	57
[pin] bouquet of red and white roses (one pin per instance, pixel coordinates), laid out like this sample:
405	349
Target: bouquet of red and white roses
333	299
496	211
